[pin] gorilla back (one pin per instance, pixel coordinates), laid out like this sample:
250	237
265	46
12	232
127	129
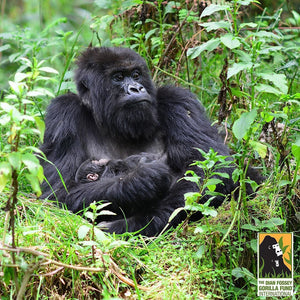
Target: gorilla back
117	113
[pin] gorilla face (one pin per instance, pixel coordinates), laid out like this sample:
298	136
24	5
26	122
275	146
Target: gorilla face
120	93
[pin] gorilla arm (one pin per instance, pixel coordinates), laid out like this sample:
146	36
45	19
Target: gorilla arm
140	188
186	127
61	146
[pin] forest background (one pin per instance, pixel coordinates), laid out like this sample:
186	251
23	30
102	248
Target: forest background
241	59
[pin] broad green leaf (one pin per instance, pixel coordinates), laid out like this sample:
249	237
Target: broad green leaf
191	197
238	67
40	126
209	26
209	46
83	231
89	215
209	10
200	251
16	87
296	150
5	174
191	179
265	88
284	182
260	148
48	70
279	80
20	77
230	41
244	2
209	211
100	235
243	124
15	159
250	227
211	183
243	273
32	163
272	223
35	184
251	24
266	116
266	34
106	213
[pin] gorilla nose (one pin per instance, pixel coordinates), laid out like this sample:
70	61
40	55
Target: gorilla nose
135	89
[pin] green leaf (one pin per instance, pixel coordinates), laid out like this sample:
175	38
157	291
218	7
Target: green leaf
243	124
83	231
260	148
251	25
20	77
209	26
211	9
35	183
209	211
250	227
40	126
212	182
16	87
48	70
15	160
238	67
191	179
32	163
265	88
200	252
230	41
284	182
100	235
253	245
5	174
270	224
243	273
191	197
279	80
266	34
89	215
209	46
296	149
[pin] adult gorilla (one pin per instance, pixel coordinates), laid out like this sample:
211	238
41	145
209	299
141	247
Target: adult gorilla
117	113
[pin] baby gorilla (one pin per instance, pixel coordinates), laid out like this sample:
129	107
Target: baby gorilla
92	170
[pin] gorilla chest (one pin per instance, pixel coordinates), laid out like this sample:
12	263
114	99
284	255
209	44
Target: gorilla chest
108	149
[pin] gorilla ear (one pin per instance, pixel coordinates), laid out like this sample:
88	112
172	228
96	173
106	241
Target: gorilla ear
84	92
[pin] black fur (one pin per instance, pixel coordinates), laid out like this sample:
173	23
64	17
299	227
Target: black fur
118	113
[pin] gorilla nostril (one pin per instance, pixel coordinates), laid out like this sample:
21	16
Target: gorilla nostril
133	89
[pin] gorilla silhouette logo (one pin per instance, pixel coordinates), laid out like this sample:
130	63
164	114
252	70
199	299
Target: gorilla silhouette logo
271	264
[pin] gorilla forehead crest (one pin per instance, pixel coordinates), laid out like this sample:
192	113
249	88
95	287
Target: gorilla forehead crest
105	57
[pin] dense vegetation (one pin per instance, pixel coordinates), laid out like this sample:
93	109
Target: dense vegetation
241	60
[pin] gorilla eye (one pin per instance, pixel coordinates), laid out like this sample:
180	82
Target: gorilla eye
136	75
118	77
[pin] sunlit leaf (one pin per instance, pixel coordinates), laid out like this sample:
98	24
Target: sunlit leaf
230	41
83	231
209	46
211	9
260	148
243	124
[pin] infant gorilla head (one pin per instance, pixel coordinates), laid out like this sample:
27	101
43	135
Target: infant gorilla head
92	170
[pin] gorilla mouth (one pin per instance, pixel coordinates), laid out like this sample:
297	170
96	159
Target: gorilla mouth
134	102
